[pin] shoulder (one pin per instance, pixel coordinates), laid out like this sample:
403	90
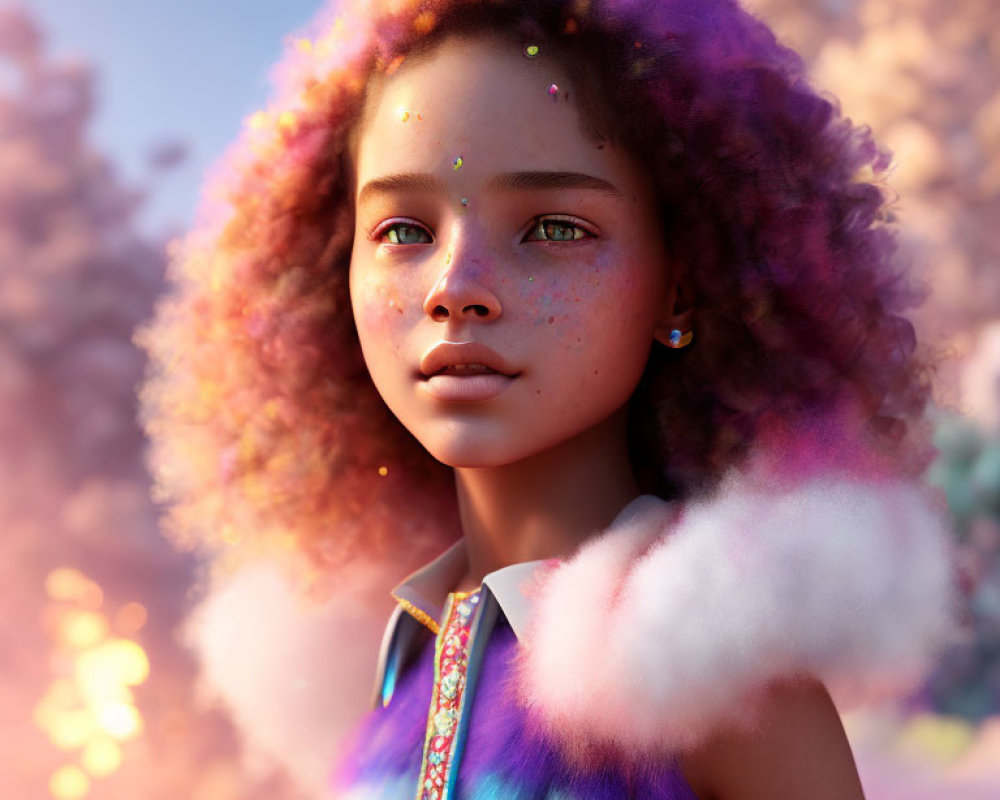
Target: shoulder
795	747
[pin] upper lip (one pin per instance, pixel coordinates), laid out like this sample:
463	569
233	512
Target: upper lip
448	354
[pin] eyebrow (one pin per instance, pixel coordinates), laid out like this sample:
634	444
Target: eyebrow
520	181
505	182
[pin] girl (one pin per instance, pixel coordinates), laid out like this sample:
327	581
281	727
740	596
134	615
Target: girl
596	298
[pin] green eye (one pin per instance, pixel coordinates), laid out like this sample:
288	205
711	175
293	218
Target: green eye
404	233
557	230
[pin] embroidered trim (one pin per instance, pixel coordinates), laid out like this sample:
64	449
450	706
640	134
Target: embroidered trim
421	616
451	652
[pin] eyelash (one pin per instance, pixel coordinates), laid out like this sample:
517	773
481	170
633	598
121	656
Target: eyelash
566	222
390	225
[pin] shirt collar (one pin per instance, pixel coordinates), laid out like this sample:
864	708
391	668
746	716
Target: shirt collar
424	592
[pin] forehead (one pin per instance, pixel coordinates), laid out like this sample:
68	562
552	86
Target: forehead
483	101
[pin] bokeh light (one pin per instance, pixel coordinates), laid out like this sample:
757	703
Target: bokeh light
101	757
80	629
69	783
72	586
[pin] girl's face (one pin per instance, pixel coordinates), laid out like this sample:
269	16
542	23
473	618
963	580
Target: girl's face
508	274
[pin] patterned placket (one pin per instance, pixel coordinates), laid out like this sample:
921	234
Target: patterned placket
451	661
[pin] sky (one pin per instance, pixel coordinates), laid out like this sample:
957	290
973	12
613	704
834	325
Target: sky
171	70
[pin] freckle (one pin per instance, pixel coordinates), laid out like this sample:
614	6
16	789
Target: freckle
576	299
551	320
538	391
597	372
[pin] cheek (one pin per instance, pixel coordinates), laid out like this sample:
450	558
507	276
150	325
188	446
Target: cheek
556	304
379	314
378	305
606	293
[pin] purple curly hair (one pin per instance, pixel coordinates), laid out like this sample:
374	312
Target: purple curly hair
264	422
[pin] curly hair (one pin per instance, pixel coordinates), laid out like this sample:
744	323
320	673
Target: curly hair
264	423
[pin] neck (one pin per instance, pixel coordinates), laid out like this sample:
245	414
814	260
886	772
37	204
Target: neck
547	505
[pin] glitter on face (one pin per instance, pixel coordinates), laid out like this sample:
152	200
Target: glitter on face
554	91
465	201
404	115
457	163
531	50
383	471
472	115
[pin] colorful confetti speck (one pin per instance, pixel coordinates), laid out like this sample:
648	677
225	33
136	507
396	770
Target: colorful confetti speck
425	22
383	471
394	65
457	163
404	116
531	50
553	91
465	202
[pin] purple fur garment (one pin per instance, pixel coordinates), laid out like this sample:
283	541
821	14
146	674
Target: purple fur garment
504	757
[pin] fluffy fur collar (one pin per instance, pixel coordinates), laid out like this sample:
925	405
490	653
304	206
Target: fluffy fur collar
655	633
685	624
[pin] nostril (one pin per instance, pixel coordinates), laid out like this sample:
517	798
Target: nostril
441	312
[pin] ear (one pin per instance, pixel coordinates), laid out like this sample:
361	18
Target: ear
678	309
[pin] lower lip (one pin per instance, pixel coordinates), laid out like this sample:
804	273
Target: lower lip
467	388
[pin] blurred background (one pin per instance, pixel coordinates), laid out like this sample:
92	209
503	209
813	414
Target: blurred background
109	115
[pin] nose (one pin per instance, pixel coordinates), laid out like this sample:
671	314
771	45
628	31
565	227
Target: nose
461	291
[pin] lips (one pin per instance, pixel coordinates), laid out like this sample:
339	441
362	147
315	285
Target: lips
464	358
463	372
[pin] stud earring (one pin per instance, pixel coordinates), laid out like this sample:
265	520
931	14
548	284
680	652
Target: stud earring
678	340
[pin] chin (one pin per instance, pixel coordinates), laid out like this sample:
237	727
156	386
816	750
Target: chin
481	450
471	449
465	456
